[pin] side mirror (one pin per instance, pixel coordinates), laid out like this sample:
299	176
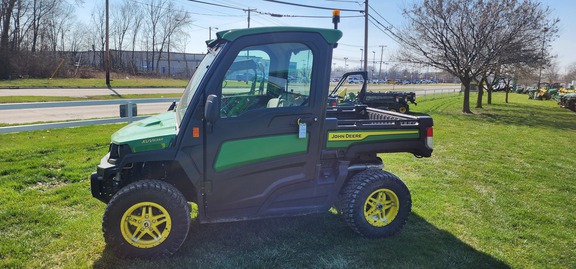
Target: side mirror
172	106
212	108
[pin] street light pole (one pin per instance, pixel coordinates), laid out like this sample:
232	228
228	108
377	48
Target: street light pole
345	63
366	35
361	57
210	32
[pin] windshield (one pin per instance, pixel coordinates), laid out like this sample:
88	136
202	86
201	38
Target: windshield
193	84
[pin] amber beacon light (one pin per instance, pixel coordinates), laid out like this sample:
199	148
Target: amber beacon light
336	17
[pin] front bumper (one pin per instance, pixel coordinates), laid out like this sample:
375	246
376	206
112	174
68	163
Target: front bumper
101	182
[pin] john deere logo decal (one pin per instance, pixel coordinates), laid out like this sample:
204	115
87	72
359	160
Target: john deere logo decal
357	136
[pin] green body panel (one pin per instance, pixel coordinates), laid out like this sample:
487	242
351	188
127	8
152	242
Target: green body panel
156	132
252	150
343	139
330	35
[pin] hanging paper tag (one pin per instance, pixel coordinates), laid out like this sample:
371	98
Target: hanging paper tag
302	130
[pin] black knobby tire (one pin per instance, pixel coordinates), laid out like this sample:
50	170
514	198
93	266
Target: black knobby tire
375	203
146	219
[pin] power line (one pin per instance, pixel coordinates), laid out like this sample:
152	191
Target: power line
316	7
302	16
270	13
391	25
386	30
216	5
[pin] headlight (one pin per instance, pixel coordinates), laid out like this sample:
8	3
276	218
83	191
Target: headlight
117	152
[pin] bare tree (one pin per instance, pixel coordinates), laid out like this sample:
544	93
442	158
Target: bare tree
136	15
570	74
122	20
174	21
99	32
552	72
155	11
468	38
40	9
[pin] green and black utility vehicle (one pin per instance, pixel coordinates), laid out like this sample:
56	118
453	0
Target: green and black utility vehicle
262	146
391	100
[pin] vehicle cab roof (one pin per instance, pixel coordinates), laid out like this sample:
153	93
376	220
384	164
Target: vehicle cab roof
330	35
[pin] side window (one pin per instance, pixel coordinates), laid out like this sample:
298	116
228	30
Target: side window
299	77
267	77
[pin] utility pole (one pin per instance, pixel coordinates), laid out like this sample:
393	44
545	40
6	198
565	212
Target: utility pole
107	56
248	10
365	35
373	63
381	54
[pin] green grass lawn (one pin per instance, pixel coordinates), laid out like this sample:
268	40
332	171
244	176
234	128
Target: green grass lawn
498	193
131	82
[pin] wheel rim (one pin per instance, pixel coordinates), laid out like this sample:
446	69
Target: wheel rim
145	225
402	109
381	207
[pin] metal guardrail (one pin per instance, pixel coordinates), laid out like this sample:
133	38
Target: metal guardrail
434	92
46	126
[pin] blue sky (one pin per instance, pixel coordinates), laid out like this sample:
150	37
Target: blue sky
205	16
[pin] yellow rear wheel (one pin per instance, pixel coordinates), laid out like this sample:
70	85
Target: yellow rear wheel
375	203
381	207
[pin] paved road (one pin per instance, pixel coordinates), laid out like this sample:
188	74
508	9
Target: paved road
23	116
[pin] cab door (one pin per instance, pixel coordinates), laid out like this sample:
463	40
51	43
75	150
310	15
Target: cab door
262	151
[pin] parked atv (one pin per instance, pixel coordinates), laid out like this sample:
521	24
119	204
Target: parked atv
391	101
569	101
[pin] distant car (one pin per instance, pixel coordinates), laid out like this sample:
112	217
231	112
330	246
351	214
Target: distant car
354	80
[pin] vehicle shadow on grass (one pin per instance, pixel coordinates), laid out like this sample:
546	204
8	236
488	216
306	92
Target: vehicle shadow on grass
317	241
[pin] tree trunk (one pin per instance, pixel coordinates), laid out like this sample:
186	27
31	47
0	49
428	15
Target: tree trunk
466	104
158	60
5	58
489	101
480	92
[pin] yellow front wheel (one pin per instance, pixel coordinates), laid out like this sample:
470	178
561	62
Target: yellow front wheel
146	219
375	203
145	225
